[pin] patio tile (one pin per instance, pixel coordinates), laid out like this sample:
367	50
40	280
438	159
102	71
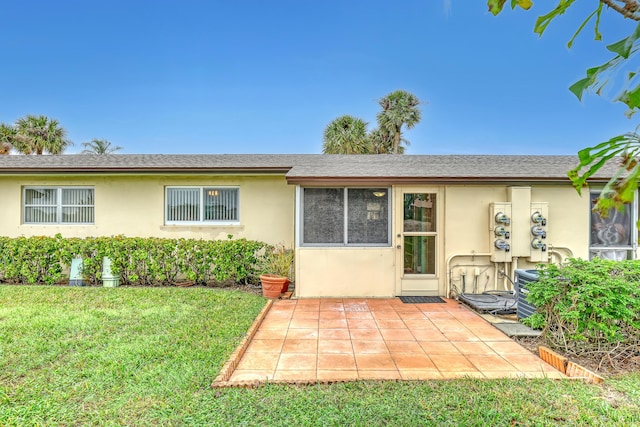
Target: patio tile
331	315
408	361
259	361
404	347
507	347
396	334
274	324
341	340
302	334
335	346
295	375
251	375
416	315
406	308
485	362
333	324
530	363
336	306
337	375
303	323
270	334
356	306
441	315
358	315
368	347
467	347
427	335
491	334
452	363
327	362
420	324
334	334
297	362
300	308
300	346
361	324
390	324
455	336
279	315
386	314
311	315
266	346
365	334
439	347
448	325
375	362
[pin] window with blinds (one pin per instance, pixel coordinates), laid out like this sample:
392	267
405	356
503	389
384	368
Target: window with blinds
58	205
202	205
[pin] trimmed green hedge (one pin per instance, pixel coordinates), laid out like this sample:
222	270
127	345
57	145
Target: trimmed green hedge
138	261
589	307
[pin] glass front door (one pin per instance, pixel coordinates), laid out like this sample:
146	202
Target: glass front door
417	241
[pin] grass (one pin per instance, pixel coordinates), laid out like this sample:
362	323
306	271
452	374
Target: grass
147	356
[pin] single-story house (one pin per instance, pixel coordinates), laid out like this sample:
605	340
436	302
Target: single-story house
361	225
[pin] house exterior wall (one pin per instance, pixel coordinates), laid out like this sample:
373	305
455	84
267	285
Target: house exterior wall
345	272
134	206
466	243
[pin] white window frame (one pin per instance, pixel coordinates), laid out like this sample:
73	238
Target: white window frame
631	248
202	189
58	204
345	195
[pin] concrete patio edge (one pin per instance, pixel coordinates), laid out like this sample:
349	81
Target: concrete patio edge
232	362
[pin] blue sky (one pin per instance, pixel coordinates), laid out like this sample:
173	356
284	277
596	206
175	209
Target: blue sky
255	76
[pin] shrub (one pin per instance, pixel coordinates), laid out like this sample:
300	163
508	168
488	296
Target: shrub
589	307
138	261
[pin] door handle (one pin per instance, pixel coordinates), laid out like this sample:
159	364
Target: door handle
399	247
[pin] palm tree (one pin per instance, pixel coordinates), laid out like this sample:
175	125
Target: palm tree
380	142
399	108
346	135
39	134
6	136
99	146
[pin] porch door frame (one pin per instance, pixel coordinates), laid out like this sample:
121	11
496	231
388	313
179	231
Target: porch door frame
420	284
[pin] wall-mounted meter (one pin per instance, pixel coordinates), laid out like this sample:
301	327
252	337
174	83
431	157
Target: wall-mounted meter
500	231
538	218
538	227
502	244
503	218
539	231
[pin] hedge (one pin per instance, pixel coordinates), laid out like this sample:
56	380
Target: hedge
589	307
138	261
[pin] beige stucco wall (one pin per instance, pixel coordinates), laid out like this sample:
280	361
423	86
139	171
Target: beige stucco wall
134	206
345	272
465	241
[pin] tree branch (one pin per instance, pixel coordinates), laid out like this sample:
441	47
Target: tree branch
629	10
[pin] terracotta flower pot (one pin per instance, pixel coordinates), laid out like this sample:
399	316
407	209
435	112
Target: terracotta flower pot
272	285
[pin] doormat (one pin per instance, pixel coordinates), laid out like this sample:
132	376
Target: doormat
421	300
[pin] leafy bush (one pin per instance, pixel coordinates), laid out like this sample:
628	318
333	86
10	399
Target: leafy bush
589	307
277	260
138	261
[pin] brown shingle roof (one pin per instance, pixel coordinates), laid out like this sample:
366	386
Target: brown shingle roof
314	167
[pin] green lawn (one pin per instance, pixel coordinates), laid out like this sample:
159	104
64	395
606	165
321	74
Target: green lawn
147	356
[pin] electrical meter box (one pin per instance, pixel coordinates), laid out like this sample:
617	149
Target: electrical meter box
500	231
538	222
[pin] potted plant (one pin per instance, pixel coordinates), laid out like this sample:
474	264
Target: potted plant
277	270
